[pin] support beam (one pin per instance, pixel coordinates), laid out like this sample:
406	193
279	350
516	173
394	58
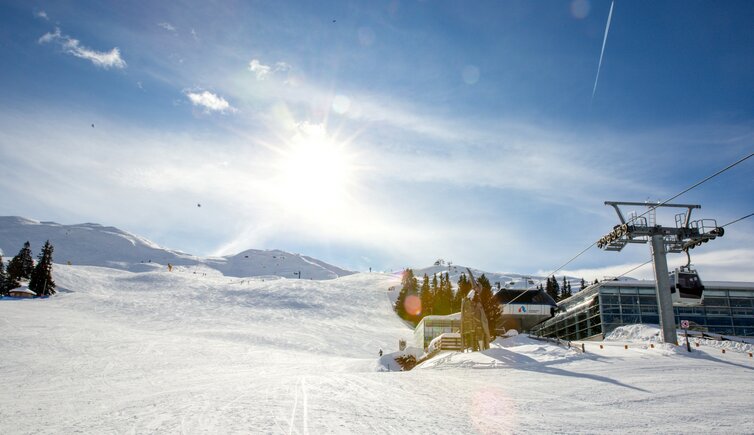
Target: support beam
664	300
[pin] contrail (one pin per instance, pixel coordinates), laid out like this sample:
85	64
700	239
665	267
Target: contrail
604	42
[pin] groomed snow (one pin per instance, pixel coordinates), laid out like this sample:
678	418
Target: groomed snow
161	352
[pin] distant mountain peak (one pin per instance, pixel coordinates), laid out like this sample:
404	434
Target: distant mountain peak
93	244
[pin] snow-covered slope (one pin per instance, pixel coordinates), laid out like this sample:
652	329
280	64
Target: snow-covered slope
506	279
97	245
179	352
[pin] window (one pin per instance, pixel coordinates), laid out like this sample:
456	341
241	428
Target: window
649	318
610	300
611	309
649	309
743	321
718	321
714	302
648	300
630	309
740	302
717	311
741	293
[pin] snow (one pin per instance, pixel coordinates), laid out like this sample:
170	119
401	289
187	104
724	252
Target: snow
118	351
96	245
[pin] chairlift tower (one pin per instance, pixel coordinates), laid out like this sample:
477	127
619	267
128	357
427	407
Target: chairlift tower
686	234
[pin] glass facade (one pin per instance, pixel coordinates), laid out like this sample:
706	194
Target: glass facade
432	326
598	310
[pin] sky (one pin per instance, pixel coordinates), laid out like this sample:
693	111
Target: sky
382	134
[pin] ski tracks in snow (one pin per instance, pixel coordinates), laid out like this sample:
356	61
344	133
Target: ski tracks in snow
300	385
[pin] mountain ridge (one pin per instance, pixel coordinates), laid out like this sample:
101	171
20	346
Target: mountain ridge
93	244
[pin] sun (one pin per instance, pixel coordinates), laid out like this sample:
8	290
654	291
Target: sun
315	171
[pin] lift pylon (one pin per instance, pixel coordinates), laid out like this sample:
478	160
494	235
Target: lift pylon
686	235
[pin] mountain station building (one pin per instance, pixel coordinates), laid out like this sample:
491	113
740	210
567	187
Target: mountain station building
727	309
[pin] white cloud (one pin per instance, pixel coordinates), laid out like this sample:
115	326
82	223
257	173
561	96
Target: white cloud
726	264
102	59
263	71
42	15
167	26
211	102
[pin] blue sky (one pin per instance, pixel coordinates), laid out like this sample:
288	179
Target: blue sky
381	134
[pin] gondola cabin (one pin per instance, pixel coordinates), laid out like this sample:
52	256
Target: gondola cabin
686	287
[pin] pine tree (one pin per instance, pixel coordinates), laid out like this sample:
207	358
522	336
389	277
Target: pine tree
583	284
464	287
22	265
444	296
491	305
553	289
409	290
41	281
566	293
426	297
3	278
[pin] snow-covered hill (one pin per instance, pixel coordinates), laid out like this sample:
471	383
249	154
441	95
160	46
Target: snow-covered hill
96	245
129	347
506	279
160	352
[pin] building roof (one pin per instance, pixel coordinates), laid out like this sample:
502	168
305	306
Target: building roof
539	297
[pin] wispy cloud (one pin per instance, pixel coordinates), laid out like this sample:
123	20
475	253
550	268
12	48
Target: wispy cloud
209	101
263	71
102	59
167	26
723	264
42	14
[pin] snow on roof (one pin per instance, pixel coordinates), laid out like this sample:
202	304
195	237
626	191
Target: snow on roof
23	290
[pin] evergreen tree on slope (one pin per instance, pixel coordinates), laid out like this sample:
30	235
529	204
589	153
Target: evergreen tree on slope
22	265
426	297
41	281
3	278
464	287
444	296
405	304
553	288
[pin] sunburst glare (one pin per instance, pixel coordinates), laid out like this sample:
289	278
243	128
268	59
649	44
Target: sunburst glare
315	171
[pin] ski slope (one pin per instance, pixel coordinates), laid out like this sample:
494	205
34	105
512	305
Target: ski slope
178	352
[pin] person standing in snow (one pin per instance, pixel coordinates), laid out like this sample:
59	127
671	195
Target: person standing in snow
380	351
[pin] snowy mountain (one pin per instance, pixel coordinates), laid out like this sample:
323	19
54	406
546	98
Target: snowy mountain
96	245
506	279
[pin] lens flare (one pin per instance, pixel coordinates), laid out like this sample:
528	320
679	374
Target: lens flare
492	412
413	305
